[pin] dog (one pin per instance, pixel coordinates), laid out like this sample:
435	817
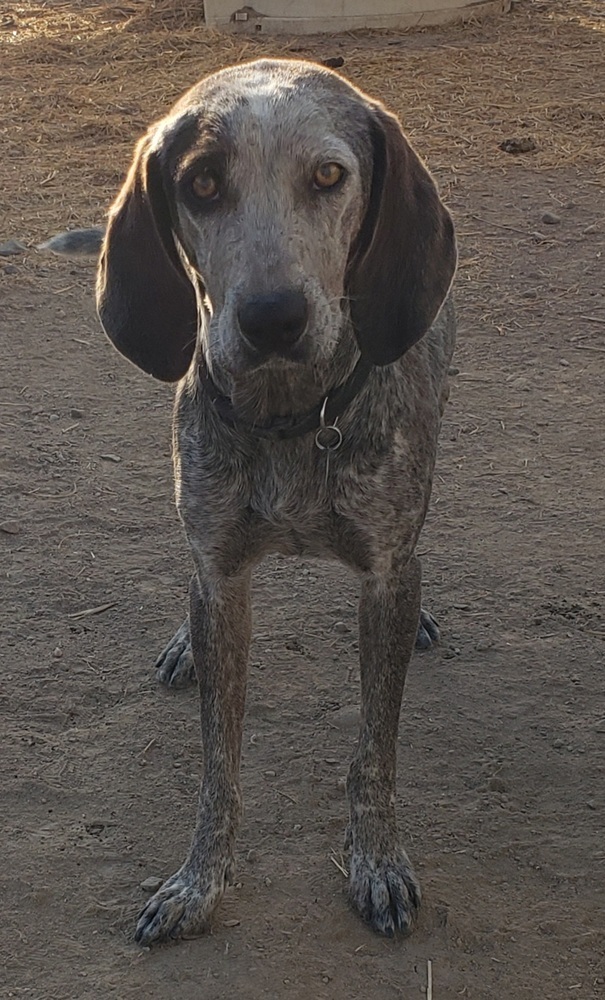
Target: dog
280	252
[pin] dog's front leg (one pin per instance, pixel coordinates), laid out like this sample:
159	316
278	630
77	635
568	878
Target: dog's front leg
220	638
383	886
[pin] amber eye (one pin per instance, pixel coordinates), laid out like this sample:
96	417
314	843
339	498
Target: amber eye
204	186
328	175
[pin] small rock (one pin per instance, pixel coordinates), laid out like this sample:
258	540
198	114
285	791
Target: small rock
57	653
95	828
346	718
10	269
151	884
591	804
550	219
10	527
334	62
558	744
231	923
564	363
453	371
11	248
484	645
524	145
110	458
76	414
497	785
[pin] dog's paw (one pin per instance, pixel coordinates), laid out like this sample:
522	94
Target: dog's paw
181	908
174	666
385	891
428	631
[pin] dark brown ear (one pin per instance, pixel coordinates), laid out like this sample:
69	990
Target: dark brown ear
404	258
145	302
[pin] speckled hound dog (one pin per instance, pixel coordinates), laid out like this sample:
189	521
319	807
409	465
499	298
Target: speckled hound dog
280	251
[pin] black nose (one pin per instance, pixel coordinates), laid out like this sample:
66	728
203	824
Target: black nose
274	322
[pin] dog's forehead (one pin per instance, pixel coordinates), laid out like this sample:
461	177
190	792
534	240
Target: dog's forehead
275	100
269	84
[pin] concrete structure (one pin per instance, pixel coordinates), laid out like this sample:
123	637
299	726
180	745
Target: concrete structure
273	17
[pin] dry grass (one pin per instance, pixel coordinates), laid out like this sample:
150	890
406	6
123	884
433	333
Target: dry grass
82	80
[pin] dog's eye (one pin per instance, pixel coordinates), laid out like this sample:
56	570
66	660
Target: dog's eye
205	186
328	175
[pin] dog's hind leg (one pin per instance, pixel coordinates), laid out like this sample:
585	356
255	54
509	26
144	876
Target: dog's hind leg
174	666
428	630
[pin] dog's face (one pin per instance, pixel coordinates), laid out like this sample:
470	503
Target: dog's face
269	195
284	209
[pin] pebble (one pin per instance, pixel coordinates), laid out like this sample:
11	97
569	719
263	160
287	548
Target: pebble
550	219
497	785
10	269
484	645
529	294
346	718
11	248
10	527
151	884
76	414
523	145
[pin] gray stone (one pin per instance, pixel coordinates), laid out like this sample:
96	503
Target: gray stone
11	248
151	884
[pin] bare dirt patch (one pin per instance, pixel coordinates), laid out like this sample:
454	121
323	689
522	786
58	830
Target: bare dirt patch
501	745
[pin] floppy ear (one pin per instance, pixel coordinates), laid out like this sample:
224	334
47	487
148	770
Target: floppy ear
145	302
403	261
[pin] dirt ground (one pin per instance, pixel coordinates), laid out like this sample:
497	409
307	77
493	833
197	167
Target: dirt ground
501	765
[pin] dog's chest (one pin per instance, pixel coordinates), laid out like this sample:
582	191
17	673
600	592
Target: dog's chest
296	501
291	504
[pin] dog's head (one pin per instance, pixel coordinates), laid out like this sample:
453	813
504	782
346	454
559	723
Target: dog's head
273	212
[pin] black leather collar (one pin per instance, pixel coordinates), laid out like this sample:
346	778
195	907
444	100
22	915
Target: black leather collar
323	416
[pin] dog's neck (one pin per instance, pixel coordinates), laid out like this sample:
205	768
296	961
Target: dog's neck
273	406
286	389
